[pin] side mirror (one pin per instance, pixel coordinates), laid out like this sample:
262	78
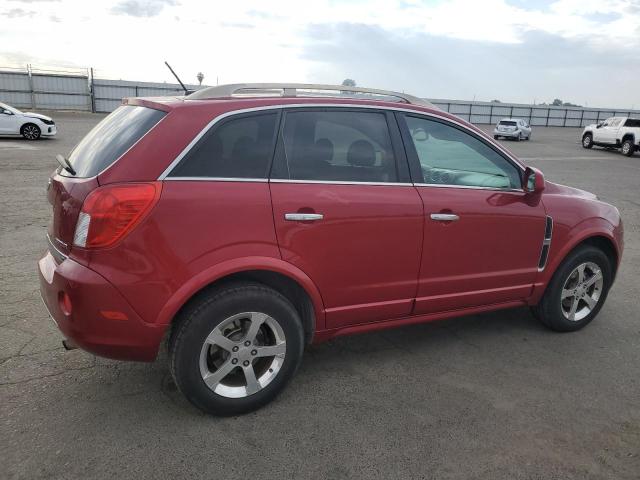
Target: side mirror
420	135
533	181
599	125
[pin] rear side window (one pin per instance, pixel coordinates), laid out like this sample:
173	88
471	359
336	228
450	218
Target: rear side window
111	138
632	122
343	146
240	147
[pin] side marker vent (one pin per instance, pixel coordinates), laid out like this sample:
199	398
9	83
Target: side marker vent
546	244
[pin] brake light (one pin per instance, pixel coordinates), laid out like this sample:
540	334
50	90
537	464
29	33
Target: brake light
109	213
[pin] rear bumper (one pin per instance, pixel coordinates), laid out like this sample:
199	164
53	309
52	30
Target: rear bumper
100	320
506	134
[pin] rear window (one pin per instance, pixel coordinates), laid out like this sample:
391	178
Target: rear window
508	123
632	122
111	138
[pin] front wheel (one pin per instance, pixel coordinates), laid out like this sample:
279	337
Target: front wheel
587	141
577	290
234	350
30	131
627	148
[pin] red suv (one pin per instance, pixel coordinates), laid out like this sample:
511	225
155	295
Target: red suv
243	225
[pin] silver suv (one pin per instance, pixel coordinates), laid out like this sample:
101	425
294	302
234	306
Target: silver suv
512	128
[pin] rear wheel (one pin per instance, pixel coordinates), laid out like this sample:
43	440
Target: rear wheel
577	290
519	137
587	140
628	147
234	350
496	137
30	131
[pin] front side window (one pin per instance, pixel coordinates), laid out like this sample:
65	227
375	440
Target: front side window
238	148
336	146
450	156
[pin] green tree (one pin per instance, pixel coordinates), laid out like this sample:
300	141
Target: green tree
349	82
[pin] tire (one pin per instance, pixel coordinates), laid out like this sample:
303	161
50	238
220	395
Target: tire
30	131
211	340
528	137
519	137
555	312
496	137
627	148
587	140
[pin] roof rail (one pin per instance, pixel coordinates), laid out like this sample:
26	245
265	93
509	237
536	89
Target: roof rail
292	90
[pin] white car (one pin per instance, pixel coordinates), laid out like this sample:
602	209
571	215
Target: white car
512	128
30	125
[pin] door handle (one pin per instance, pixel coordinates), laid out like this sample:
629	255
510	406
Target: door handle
303	217
444	217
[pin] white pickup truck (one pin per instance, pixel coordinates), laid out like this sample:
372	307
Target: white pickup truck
614	132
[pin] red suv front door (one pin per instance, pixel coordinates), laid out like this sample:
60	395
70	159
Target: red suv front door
483	234
345	212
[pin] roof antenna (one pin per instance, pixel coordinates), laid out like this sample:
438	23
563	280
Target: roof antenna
186	91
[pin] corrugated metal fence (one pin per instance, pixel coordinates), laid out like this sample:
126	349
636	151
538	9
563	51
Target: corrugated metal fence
537	115
42	89
80	91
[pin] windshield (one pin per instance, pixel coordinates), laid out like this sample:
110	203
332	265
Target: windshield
111	138
11	109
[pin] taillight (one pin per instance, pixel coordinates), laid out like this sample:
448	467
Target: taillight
111	212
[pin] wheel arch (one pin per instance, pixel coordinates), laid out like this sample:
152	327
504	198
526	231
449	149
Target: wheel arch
283	277
597	237
628	135
29	122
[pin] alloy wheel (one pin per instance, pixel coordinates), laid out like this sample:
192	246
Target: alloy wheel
243	354
586	141
581	291
31	132
626	147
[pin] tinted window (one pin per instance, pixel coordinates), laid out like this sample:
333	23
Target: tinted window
337	146
449	156
632	122
111	138
238	148
507	123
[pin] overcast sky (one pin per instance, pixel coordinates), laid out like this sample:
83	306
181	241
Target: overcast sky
582	51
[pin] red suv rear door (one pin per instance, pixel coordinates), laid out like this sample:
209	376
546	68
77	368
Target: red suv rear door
483	234
345	212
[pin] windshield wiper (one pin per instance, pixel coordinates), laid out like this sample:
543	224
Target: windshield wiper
64	163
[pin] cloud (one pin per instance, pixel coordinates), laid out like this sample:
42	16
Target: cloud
540	65
18	13
142	8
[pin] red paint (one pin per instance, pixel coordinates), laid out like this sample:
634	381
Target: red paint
376	260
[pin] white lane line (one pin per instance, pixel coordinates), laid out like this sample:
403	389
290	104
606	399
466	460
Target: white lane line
555	159
17	146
